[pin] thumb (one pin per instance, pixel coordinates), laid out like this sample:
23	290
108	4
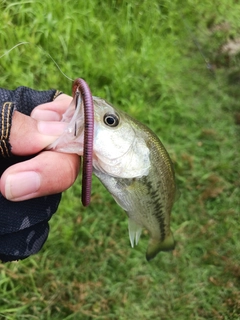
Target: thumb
29	136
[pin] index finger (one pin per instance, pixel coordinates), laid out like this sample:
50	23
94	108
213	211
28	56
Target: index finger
52	111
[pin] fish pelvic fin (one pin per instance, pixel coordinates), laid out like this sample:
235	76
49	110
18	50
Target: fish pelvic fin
134	232
155	246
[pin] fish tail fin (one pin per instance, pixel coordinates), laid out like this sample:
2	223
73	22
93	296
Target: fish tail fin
156	246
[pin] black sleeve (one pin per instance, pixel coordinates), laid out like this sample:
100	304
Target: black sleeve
26	99
23	225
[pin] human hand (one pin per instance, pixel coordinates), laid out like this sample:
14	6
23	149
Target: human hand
48	172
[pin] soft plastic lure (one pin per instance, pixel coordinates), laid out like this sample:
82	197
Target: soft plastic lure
81	87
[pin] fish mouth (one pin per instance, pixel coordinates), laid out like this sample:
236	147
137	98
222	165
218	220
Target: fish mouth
72	139
78	135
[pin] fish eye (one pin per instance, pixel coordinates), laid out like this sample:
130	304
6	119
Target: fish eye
111	119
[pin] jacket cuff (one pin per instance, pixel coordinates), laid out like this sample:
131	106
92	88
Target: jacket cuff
5	126
57	94
24	100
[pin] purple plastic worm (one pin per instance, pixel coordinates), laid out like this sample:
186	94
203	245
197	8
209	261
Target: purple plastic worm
82	86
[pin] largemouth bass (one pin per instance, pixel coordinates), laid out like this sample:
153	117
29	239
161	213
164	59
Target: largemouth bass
132	163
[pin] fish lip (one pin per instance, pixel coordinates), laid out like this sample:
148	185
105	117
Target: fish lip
72	139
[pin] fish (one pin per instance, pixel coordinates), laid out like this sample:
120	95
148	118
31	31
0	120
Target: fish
132	163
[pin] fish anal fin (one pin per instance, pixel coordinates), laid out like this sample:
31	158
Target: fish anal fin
134	230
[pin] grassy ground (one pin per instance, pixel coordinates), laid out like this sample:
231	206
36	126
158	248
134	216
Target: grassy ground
142	56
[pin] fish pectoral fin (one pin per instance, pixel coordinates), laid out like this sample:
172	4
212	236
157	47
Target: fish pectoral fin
134	232
156	246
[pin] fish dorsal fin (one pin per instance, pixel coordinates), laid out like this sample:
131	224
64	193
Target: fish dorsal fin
134	232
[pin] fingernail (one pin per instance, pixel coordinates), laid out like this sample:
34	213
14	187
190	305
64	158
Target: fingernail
45	115
53	128
21	185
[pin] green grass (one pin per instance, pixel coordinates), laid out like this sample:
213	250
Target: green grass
140	56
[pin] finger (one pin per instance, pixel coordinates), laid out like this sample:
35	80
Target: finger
52	111
29	136
47	173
